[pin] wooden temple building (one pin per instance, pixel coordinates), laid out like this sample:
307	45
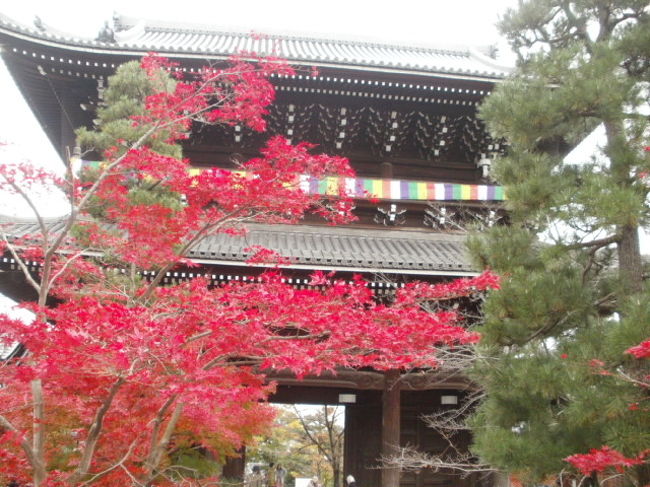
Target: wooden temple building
406	119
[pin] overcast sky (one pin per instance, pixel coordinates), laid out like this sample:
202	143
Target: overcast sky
429	22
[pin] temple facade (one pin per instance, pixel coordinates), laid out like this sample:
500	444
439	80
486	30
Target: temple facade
406	119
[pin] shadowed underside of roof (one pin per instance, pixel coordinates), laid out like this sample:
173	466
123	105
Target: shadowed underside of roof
192	40
323	247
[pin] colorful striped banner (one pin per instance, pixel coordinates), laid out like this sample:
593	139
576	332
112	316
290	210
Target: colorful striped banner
390	189
395	189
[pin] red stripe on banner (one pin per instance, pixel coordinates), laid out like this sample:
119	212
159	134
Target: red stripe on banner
431	191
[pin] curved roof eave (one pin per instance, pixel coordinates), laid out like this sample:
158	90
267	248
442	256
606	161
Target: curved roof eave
17	31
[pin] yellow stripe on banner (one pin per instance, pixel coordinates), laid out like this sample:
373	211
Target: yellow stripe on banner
465	192
332	185
422	191
378	188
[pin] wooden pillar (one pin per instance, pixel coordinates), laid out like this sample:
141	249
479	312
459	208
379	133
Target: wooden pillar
390	432
233	469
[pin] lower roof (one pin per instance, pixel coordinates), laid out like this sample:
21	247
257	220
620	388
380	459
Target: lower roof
355	249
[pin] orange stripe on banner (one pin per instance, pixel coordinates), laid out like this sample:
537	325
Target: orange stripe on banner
385	187
473	191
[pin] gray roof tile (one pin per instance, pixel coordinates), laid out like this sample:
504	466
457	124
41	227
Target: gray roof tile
169	37
352	248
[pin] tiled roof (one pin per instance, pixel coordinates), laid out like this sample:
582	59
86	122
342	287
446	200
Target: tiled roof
349	248
209	42
330	248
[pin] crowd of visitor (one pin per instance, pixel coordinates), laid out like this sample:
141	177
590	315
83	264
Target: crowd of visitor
273	476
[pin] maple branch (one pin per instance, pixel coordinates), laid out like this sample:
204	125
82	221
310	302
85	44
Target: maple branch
31	204
21	263
94	432
112	467
65	266
24	444
149	462
159	450
252	360
133	479
188	245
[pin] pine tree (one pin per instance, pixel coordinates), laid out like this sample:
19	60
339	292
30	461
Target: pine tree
123	99
553	359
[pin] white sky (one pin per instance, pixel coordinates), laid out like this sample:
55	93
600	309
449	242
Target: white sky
430	22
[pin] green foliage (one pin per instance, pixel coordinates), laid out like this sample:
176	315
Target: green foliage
552	357
124	98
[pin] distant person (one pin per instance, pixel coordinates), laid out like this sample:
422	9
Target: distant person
349	480
314	482
271	475
280	475
256	478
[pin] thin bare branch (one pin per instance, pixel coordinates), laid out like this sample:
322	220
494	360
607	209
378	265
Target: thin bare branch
21	263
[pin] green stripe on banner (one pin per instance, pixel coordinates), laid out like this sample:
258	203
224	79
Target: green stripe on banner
499	194
367	185
322	186
456	192
413	190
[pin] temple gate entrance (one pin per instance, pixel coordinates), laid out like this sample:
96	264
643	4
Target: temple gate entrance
371	417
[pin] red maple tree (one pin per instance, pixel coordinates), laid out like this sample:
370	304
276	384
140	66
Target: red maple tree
122	372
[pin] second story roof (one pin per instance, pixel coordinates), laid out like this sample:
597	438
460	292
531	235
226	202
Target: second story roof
140	36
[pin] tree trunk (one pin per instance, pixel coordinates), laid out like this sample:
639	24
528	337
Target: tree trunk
336	474
642	474
390	426
629	259
234	467
40	472
629	251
